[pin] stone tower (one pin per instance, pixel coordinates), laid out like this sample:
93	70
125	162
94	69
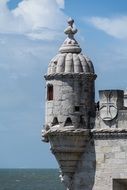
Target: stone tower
88	139
70	81
70	104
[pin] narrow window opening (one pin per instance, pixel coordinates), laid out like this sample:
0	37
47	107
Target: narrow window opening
68	122
97	106
50	92
55	121
77	108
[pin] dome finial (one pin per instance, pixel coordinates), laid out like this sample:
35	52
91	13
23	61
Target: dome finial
70	44
70	22
70	31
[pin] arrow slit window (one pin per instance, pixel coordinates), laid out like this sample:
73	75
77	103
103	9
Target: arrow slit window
50	92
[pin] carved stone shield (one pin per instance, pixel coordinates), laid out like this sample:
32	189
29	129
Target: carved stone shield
108	104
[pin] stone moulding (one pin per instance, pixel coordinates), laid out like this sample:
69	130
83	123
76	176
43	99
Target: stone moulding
67	145
109	133
70	48
71	75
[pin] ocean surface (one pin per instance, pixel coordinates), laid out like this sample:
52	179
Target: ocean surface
30	179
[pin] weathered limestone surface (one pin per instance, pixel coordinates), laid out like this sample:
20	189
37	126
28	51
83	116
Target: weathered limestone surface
67	95
104	160
85	174
111	162
68	145
88	139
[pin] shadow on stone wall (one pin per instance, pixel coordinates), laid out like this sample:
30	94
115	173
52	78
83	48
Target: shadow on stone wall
85	175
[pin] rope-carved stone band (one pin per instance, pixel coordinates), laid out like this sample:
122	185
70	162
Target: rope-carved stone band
109	134
71	75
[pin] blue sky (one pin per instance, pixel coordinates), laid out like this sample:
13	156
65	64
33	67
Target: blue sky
31	32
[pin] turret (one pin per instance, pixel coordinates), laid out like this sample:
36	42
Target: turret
70	85
70	104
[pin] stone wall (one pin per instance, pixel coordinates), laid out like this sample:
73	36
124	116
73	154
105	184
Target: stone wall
85	173
111	162
103	161
70	99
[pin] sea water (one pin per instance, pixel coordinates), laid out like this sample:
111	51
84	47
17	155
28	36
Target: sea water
30	179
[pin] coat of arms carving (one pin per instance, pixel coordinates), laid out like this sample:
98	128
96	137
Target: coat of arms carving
108	104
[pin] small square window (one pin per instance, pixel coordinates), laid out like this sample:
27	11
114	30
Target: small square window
119	184
77	108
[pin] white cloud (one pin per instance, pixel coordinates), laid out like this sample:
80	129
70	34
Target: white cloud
60	3
22	64
116	27
33	18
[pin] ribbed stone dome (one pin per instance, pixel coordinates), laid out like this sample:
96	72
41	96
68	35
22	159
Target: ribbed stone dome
70	59
70	63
